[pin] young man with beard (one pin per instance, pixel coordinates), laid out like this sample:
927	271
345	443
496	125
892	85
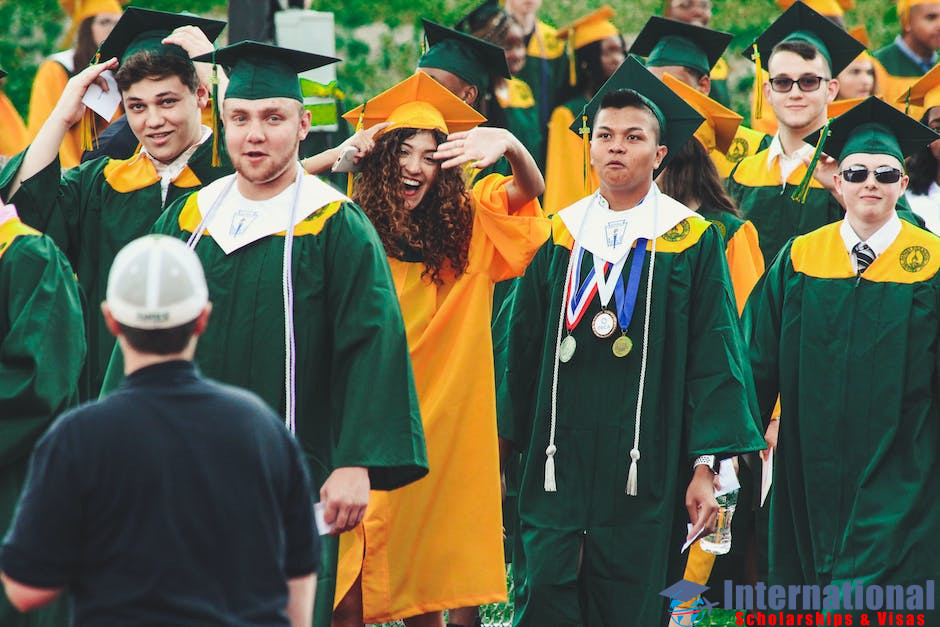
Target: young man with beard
914	51
630	399
306	311
846	333
95	209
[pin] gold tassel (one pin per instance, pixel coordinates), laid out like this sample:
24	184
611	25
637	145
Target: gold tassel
803	190
585	132
572	71
907	102
350	175
216	145
758	85
88	130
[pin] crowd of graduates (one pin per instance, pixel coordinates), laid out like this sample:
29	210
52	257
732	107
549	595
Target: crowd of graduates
560	286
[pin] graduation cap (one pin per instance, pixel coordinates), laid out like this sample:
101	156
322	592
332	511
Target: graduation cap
802	24
925	92
683	591
677	120
472	59
81	10
671	42
144	29
479	16
417	102
904	8
595	26
838	107
829	8
264	71
721	123
873	127
860	33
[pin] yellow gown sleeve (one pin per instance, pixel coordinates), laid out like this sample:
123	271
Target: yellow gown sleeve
564	164
47	87
14	137
745	262
503	243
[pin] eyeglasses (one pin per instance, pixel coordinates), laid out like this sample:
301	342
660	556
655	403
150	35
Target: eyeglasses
784	84
859	174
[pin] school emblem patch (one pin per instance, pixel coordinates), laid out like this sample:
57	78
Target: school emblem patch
678	233
721	228
739	149
914	258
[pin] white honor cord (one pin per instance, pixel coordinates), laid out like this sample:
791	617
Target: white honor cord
290	360
635	451
197	234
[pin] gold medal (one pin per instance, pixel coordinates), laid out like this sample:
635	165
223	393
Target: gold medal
622	346
604	323
566	350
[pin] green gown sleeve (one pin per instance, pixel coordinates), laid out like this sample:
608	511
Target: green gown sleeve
42	342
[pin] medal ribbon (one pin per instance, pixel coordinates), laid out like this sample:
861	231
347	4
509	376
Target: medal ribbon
577	298
626	303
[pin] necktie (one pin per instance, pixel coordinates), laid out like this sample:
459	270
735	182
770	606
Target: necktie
864	255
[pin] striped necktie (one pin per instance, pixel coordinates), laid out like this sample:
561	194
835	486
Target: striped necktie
864	255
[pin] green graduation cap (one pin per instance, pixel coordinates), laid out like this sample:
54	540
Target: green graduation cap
2	72
260	70
478	17
800	23
677	119
472	59
144	29
874	127
671	42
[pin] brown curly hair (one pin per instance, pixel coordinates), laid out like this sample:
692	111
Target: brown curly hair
438	229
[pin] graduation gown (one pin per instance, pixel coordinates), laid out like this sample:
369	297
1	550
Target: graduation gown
698	400
898	72
41	353
522	118
91	212
564	164
746	142
447	527
765	199
742	250
546	69
719	83
855	360
355	395
14	137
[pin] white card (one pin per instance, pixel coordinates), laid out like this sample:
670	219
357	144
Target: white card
104	103
692	536
322	527
766	476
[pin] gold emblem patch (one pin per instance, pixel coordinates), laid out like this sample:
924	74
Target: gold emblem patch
678	233
914	258
721	228
739	149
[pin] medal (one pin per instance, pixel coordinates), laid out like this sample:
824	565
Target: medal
566	350
604	323
622	346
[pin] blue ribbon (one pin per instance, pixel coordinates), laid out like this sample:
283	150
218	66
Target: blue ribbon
626	303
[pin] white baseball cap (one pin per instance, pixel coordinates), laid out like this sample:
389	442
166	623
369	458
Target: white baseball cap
156	282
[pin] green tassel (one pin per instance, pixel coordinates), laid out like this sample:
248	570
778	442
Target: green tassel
803	190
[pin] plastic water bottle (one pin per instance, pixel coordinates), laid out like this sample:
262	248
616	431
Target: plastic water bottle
719	542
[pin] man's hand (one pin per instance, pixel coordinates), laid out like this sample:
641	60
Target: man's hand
770	436
483	146
345	495
700	499
69	109
194	42
827	169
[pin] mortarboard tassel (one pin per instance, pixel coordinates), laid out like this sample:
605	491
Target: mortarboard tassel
803	190
907	102
758	85
87	127
216	158
550	469
349	175
585	132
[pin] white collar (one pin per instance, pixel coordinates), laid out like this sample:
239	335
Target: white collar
237	221
775	152
880	239
590	221
169	171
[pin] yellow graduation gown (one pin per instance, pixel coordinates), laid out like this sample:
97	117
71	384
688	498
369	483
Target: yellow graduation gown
14	137
564	165
48	85
437	543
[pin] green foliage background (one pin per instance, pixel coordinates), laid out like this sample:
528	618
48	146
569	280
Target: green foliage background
376	58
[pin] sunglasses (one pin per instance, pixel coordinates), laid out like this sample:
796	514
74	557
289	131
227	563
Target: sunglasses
859	174
783	84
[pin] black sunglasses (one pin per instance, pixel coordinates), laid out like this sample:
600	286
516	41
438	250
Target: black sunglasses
883	174
784	84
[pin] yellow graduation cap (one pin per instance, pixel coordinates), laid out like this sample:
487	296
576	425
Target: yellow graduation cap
81	10
590	28
904	8
721	123
925	92
829	8
861	35
417	102
838	107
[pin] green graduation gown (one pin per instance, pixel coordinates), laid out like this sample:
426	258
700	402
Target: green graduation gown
546	69
91	212
355	395
698	400
855	361
765	199
42	349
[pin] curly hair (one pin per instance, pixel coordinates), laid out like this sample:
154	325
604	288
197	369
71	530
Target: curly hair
438	229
